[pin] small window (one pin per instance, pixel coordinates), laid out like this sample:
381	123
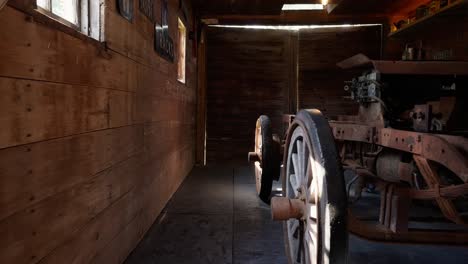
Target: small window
82	15
181	52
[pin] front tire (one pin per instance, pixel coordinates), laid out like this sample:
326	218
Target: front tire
268	167
313	175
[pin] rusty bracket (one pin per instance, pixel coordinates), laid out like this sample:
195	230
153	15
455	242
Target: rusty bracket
432	147
253	157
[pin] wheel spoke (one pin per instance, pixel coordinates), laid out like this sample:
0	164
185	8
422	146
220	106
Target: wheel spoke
295	160
312	229
300	153
301	244
294	183
305	158
294	228
297	174
310	247
309	172
309	156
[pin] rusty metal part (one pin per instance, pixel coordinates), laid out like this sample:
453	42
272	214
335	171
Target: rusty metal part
433	180
389	166
253	157
406	67
461	143
449	192
283	209
433	147
352	132
421	116
380	233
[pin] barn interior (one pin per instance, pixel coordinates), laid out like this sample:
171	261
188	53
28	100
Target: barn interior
127	127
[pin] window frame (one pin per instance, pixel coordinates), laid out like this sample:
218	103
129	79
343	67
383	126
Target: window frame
89	14
60	19
181	52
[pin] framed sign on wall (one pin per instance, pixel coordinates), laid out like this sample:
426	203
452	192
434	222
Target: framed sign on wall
163	44
125	8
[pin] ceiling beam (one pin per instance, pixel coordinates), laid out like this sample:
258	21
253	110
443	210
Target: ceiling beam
297	18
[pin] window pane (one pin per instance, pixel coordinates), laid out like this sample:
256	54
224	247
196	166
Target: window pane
44	4
66	9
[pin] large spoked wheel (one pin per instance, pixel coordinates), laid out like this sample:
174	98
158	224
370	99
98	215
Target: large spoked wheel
313	182
268	166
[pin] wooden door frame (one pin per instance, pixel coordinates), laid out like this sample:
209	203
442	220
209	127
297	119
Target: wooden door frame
200	144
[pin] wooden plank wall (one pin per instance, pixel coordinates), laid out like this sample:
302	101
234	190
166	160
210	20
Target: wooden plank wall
254	72
321	82
93	142
247	74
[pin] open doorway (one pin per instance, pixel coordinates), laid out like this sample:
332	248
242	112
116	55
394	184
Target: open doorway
275	70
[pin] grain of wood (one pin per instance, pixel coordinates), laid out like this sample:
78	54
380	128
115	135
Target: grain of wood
32	111
112	137
42	53
146	199
26	235
36	171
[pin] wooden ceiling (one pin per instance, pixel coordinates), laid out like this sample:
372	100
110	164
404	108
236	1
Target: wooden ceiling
387	7
243	7
258	10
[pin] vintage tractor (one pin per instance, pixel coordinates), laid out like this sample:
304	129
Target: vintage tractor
406	149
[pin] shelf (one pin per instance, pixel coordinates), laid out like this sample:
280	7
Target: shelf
448	10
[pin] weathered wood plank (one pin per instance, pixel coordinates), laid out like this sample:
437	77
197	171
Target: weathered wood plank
162	138
247	76
33	172
320	81
82	198
155	109
26	236
130	40
32	111
42	53
134	231
111	230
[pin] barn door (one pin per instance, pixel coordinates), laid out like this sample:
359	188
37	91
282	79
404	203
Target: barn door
320	81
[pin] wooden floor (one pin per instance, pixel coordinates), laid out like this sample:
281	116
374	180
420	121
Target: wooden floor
215	217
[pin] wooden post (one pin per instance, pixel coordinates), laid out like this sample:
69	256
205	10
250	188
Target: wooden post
293	95
201	100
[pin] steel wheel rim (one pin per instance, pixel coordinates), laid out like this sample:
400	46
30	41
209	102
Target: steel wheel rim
303	234
258	150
